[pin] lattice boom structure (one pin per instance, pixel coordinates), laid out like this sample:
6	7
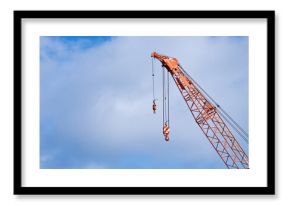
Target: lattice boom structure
206	116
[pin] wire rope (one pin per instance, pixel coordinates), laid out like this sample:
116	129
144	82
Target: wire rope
225	115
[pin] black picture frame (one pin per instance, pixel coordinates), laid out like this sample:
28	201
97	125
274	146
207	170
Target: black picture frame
19	189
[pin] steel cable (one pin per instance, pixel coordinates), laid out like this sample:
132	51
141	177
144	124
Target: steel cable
245	135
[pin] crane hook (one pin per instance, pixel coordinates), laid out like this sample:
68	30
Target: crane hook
166	131
154	106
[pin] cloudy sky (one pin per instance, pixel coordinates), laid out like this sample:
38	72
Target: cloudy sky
96	100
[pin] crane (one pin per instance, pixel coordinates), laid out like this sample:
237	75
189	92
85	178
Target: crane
209	115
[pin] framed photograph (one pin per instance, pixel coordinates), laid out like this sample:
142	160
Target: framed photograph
144	102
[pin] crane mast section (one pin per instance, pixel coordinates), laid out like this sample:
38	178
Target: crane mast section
206	116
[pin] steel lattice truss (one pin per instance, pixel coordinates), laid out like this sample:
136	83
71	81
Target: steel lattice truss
214	128
207	116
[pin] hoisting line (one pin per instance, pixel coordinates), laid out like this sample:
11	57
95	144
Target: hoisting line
166	129
164	98
168	96
165	86
153	75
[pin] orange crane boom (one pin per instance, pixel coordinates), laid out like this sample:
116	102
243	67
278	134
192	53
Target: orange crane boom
206	116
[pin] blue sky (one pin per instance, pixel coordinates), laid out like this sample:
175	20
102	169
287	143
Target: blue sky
96	98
